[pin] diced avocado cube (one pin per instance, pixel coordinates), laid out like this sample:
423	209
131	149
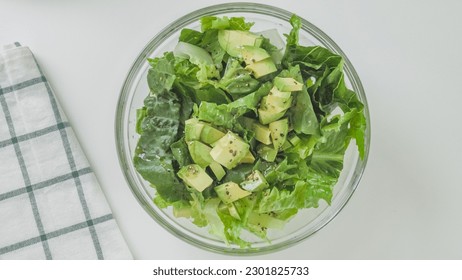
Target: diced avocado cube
181	209
265	221
217	170
233	40
233	211
281	99
194	176
269	112
193	129
262	67
252	54
275	104
230	192
200	153
210	135
279	131
266	116
229	150
254	182
262	132
229	208
287	84
258	41
249	158
267	153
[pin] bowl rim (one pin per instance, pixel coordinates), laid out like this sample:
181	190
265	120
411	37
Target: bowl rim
235	7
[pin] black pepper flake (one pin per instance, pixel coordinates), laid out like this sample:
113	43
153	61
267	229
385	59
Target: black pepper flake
282	134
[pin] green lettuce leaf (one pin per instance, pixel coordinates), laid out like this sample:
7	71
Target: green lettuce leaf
236	80
191	36
226	115
233	23
328	90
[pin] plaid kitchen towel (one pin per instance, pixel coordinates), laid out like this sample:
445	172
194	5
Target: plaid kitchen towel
51	205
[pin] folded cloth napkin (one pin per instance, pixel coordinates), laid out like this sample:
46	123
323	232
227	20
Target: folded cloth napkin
51	205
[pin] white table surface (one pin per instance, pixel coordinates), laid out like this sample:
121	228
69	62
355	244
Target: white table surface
407	53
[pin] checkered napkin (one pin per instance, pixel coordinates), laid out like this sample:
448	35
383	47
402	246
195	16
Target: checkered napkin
51	205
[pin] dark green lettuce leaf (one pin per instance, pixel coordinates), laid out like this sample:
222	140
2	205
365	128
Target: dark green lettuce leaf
180	152
210	93
163	109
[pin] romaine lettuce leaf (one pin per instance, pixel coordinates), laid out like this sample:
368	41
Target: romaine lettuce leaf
233	23
329	90
226	115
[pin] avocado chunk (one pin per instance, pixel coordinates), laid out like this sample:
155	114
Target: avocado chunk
200	153
262	67
230	192
210	135
275	104
267	153
230	208
193	129
233	211
281	99
233	40
265	221
287	84
254	182
217	170
279	131
262	132
267	116
194	176
268	113
182	209
249	158
229	150
252	54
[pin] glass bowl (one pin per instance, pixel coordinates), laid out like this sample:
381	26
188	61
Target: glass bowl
135	89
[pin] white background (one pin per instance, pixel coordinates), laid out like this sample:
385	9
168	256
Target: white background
407	53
